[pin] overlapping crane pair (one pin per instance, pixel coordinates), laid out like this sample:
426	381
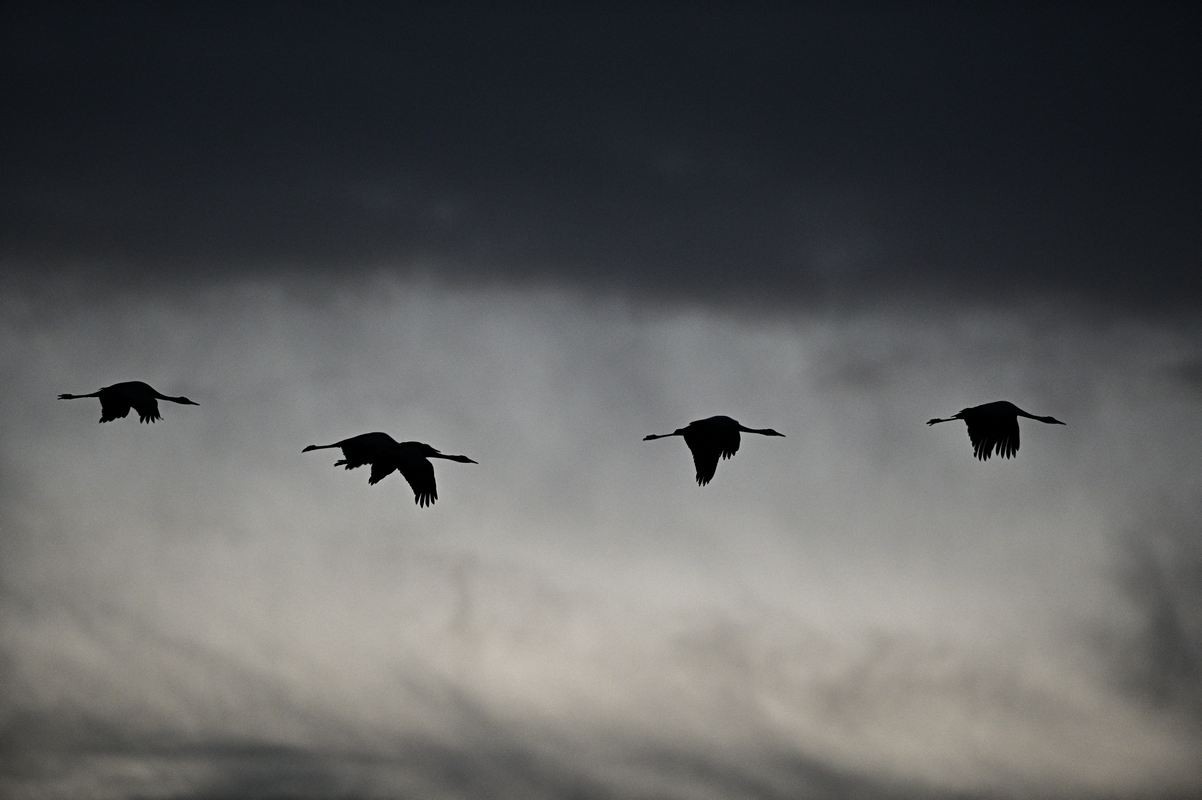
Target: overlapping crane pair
992	428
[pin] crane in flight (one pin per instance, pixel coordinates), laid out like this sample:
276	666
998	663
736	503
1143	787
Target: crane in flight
118	399
385	454
710	439
993	427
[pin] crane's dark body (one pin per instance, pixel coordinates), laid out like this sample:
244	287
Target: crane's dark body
386	454
118	399
993	427
709	440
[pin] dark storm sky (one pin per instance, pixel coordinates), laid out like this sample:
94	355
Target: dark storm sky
839	156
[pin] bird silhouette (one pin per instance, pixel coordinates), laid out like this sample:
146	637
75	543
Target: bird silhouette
710	439
993	427
385	454
116	401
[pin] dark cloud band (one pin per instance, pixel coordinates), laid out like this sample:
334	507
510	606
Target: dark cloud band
788	156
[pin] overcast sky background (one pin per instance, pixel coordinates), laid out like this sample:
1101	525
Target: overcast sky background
534	237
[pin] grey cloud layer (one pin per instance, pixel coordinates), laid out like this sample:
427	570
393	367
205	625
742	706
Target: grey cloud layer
772	156
863	610
537	691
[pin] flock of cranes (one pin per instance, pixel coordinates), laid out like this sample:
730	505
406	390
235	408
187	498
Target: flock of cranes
992	428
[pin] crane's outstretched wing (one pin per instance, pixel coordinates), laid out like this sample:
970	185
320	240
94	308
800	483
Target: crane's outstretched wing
113	407
1007	445
707	448
353	458
147	408
379	471
420	474
994	436
366	448
705	459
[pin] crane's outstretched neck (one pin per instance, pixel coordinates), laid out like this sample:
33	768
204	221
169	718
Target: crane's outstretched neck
761	431
1047	420
318	447
933	421
183	401
460	459
651	436
77	396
